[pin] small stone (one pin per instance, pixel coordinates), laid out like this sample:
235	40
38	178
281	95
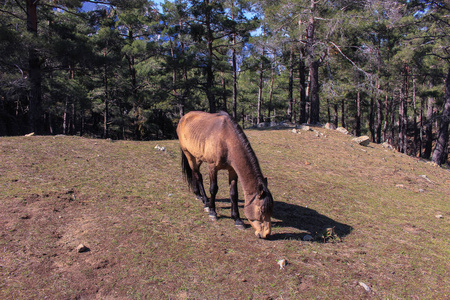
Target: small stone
387	146
365	286
82	248
425	177
400	186
439	216
282	263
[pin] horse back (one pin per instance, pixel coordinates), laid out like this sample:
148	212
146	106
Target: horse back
206	136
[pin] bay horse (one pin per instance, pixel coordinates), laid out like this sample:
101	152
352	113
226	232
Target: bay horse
221	143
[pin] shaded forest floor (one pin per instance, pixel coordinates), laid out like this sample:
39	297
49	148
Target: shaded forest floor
148	237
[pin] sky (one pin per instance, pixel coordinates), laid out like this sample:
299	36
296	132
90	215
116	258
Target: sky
87	6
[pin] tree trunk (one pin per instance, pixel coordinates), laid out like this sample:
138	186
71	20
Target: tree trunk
379	118
388	107
314	93
372	118
335	121
224	93
106	111
290	111
416	130
35	106
234	78
209	68
429	129
313	68
358	112
302	87
260	89
403	114
440	154
272	79
343	113
234	63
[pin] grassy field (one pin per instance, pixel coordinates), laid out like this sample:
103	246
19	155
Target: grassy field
148	237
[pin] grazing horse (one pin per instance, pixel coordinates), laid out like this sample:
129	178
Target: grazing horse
220	142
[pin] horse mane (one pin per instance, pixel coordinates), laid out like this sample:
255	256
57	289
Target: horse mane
248	148
268	200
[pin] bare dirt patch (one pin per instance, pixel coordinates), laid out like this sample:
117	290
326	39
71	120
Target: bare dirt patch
148	238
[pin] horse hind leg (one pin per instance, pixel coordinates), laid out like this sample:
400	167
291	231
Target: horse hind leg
199	190
233	179
213	188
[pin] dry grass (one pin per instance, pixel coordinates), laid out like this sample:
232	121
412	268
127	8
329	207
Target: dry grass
149	238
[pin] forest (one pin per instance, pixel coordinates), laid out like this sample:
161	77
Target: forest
129	69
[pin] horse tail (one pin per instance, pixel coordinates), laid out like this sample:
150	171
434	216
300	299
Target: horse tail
186	168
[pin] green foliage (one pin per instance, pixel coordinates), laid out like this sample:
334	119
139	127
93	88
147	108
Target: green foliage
110	71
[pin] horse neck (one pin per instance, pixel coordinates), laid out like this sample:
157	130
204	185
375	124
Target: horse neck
249	175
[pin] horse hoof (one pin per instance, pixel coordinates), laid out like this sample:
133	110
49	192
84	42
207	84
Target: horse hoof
212	216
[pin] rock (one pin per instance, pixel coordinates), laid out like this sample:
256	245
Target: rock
295	130
282	263
305	128
400	186
82	248
387	146
342	130
158	147
425	177
362	140
330	126
439	216
365	286
308	238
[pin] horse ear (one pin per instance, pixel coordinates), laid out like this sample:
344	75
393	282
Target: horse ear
260	189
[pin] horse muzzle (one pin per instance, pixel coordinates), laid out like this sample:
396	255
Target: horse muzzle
262	229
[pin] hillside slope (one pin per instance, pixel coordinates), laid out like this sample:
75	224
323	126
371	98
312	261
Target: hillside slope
148	237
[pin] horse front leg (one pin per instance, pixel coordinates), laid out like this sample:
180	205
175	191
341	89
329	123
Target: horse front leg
213	188
233	179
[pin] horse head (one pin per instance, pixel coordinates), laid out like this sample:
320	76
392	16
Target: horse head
259	211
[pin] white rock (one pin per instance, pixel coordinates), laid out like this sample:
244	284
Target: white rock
387	146
82	248
365	286
282	263
342	130
425	177
362	140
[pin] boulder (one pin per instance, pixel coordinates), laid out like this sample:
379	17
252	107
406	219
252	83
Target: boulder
362	140
342	130
330	126
305	128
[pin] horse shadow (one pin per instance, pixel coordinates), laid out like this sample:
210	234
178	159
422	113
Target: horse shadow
307	220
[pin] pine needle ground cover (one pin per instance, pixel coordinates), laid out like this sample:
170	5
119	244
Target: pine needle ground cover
350	222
